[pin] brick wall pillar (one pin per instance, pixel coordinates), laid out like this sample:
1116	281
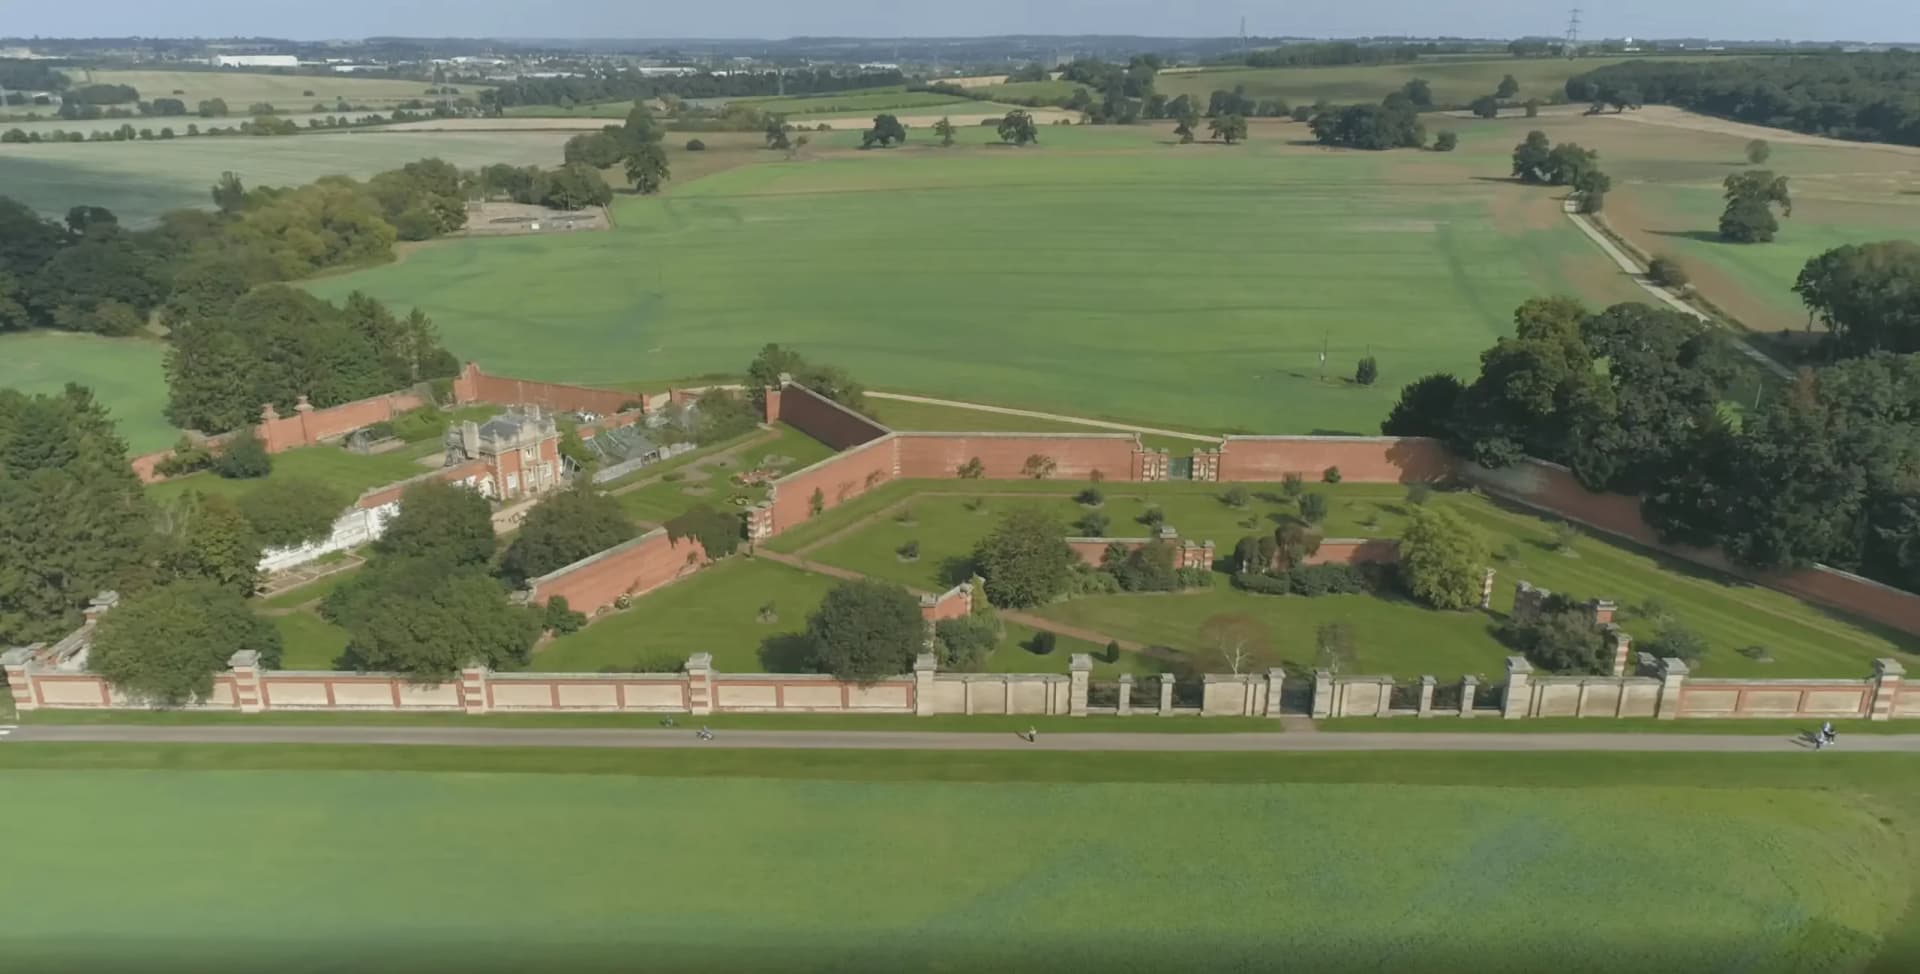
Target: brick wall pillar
1126	694
473	688
1888	675
1469	685
1518	700
924	666
1166	694
1079	672
1275	678
1426	695
700	684
773	405
1673	679
1622	645
760	521
16	663
1486	590
1322	694
245	665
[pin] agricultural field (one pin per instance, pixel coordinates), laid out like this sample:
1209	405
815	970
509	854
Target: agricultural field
934	418
287	92
919	267
796	107
1454	81
1786	865
140	180
1049	91
125	375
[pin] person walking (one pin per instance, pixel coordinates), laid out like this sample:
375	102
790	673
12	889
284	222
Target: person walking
1033	734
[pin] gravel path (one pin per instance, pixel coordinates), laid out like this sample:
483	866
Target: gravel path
931	741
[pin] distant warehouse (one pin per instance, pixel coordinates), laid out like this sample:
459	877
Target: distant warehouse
254	61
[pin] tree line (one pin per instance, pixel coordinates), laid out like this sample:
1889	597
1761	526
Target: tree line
1866	97
628	85
1633	400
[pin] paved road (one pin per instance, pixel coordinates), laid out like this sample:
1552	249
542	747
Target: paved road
930	741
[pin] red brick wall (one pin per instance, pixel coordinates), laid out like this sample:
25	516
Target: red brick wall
613	422
305	428
839	479
473	385
1352	551
1093	551
823	419
639	566
391	492
1075	455
1361	459
1863	597
954	603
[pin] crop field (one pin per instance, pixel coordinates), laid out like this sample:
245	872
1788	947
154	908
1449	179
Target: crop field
1454	82
287	92
933	418
1007	871
125	375
843	102
1193	286
140	180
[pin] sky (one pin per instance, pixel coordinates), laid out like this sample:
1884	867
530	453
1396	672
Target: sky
1861	20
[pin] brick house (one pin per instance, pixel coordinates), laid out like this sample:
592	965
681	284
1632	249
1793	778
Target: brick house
515	454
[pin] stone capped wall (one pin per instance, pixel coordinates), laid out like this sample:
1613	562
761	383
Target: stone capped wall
839	479
474	385
639	566
1004	455
1361	459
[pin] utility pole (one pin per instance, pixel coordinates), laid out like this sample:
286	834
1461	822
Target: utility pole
1573	31
1243	37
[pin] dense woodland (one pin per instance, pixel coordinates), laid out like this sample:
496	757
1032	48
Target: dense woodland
1867	97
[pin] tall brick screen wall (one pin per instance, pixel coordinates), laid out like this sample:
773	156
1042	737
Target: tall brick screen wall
822	418
646	563
473	385
839	479
1361	459
308	426
1004	455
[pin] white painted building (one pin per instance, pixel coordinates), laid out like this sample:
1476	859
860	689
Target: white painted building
254	61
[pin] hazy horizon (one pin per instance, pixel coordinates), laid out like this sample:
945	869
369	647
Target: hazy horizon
1858	20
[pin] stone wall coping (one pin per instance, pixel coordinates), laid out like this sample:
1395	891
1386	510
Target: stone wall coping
1002	678
1080	663
1232	677
1363	678
1584	679
570	677
1307	438
1088	540
1715	683
1008	435
805	678
1887	666
17	656
598	556
338	675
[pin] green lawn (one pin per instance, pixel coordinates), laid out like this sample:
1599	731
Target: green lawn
922	268
309	642
789	450
350	473
1765	865
124	374
140	180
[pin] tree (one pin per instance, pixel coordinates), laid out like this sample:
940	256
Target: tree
1024	559
1758	152
1530	158
944	129
1667	272
1485	106
1018	128
1420	93
1536	390
1750	198
73	518
1038	466
243	458
965	643
777	132
1559	637
1238	497
1367	372
286	512
647	168
885	132
1442	559
973	469
1189	120
229	195
1228	128
440	523
599	150
1313	508
865	631
1425	408
1568	163
211	541
1446	141
1868	296
164	646
441	619
1334	649
1145	568
1242	643
696	145
1590	190
564	527
1509	86
718	532
1532	107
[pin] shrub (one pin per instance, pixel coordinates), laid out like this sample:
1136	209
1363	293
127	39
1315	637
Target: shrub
1091	497
1043	643
972	470
1092	524
1313	508
1237	496
1262	583
1677	641
695	145
1112	655
1442	559
1446	141
904	515
1084	579
1152	517
909	551
1317	580
768	613
1292	485
1667	272
244	458
1193	578
426	423
817	502
1330	475
186	458
1563	534
1148	568
1419	494
1367	371
561	618
1560	638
